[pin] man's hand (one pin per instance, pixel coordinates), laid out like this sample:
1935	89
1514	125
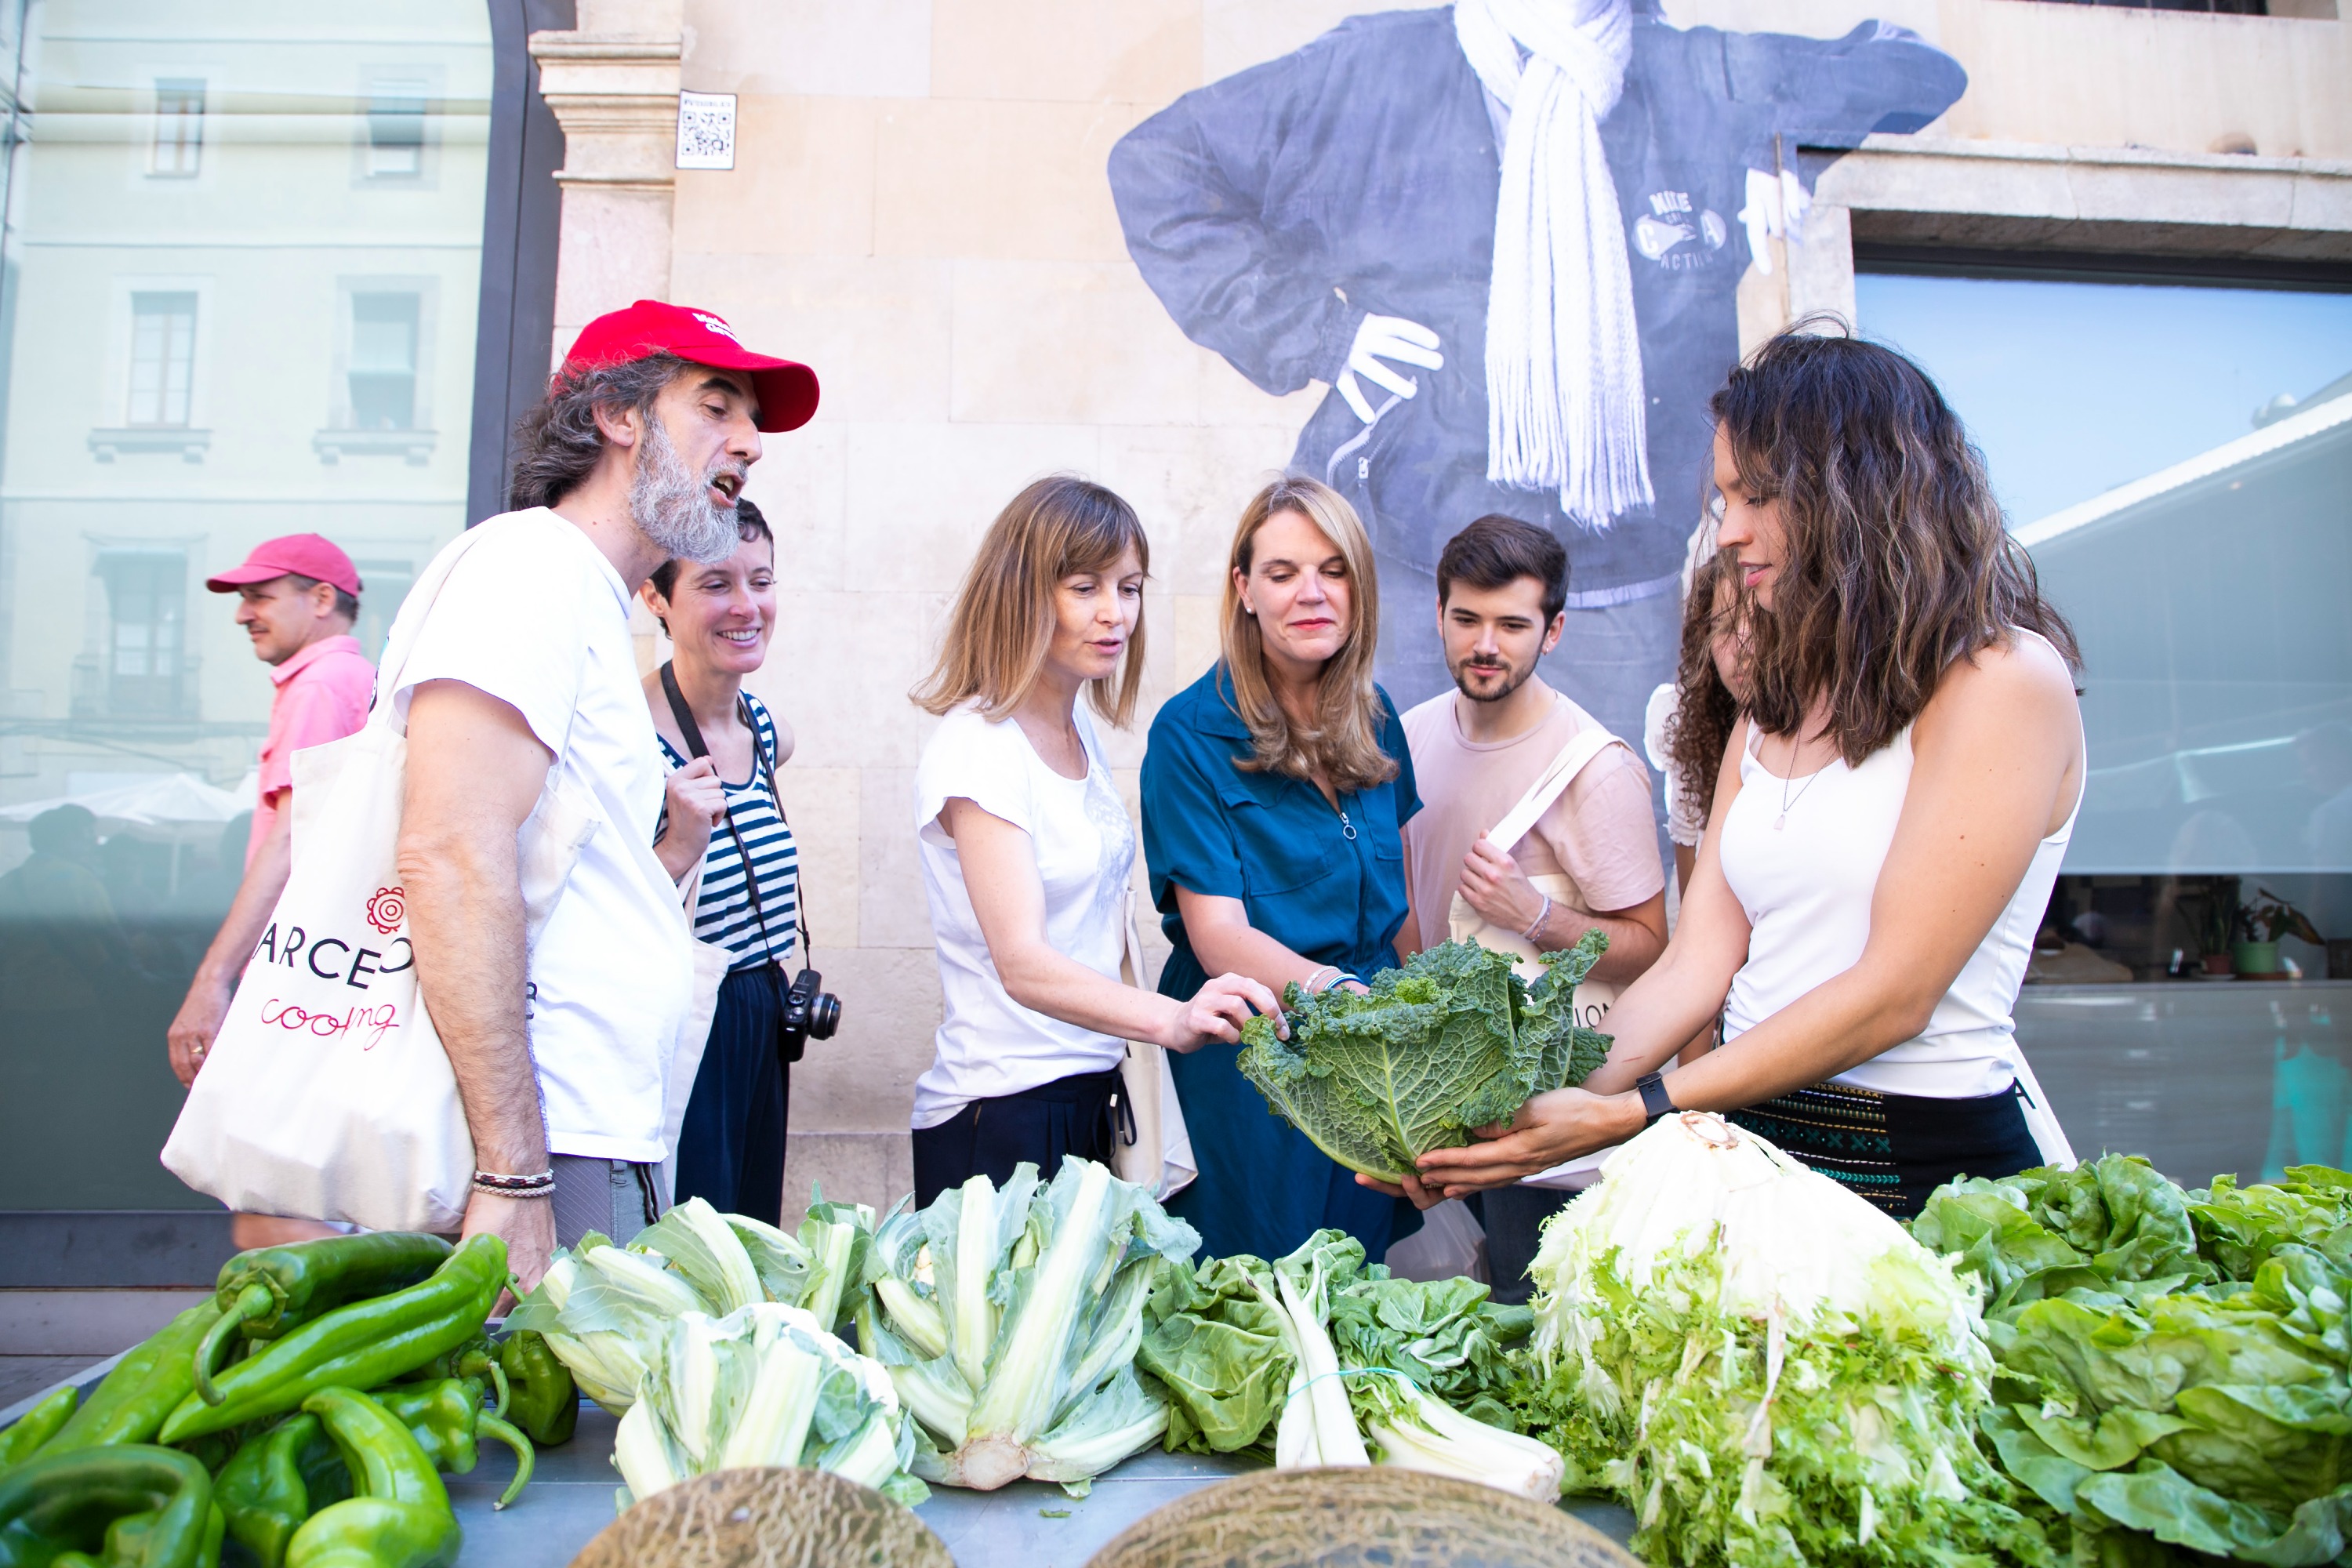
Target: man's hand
1378	340
196	1026
1493	884
1217	1012
528	1227
698	800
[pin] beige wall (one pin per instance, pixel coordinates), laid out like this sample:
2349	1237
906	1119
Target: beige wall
920	210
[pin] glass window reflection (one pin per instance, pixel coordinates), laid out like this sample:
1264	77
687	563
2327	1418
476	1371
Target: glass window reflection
241	253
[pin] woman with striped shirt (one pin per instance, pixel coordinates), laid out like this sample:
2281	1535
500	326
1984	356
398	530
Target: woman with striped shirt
722	810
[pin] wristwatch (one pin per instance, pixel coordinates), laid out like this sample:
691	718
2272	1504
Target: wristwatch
1656	1102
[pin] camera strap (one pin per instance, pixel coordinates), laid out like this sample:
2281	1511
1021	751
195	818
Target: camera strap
765	762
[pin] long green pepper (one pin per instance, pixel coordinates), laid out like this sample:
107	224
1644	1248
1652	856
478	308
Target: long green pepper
143	1391
137	1505
362	1345
447	1418
278	1479
37	1427
399	1516
271	1290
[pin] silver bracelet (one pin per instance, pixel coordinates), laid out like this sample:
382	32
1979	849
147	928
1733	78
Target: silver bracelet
1333	970
1543	915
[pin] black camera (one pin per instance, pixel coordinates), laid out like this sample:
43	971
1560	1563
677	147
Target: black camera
811	1012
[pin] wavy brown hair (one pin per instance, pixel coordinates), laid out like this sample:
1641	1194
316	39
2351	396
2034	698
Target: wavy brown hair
1705	709
1344	745
1002	624
1895	561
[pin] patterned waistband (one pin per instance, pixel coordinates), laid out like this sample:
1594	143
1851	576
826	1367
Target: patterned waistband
1836	1129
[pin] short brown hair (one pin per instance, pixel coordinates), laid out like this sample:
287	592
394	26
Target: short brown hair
1002	623
1345	744
1498	551
1896	560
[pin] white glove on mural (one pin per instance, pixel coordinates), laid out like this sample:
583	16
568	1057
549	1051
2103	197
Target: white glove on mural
1776	209
1379	339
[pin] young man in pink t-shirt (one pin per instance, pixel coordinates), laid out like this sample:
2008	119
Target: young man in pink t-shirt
297	599
1476	751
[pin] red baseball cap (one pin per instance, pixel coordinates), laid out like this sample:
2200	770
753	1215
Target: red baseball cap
787	391
301	554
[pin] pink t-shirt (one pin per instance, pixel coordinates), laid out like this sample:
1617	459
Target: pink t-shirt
322	696
1600	832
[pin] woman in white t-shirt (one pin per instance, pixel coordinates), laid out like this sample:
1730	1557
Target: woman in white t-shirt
1027	850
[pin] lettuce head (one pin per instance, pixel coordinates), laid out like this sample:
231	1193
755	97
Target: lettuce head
1453	1041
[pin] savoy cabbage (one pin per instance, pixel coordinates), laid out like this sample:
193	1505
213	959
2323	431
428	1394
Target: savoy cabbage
1453	1041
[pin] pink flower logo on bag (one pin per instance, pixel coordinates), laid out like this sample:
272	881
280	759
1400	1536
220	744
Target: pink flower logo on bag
387	910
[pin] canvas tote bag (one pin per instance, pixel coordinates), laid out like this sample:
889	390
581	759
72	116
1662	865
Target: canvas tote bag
1152	1147
1465	924
327	1094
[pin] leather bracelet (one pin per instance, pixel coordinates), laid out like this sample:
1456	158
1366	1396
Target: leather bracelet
539	1186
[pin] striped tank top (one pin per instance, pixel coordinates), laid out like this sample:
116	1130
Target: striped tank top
723	914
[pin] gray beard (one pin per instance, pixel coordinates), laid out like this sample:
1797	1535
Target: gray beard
667	504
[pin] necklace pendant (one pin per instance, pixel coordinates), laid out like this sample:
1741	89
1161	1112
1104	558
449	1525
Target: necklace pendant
1780	822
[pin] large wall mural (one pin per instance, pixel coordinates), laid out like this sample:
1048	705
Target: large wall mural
1509	233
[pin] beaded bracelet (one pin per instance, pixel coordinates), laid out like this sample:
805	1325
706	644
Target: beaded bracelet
1542	915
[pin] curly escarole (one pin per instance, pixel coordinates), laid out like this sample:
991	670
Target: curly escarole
1451	1042
1767	1370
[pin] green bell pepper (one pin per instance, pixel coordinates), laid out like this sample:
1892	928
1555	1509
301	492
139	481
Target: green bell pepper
141	1506
545	1401
37	1426
447	1418
272	1290
400	1515
140	1392
362	1345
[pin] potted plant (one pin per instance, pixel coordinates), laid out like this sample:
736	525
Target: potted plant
2259	925
2217	923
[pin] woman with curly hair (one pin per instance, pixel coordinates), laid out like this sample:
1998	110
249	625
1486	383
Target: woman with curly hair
1887	823
1688	725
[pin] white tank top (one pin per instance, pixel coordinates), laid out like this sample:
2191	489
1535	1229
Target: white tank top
1807	887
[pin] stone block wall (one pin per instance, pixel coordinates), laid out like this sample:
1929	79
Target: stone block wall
920	210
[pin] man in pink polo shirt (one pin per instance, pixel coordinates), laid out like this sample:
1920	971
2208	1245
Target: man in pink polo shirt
297	599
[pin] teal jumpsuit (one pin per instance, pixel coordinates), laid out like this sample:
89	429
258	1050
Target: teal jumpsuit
1327	883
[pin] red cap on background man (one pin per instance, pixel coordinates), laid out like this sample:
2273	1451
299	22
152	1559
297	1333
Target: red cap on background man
786	390
296	554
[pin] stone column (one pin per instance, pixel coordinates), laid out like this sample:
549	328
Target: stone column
613	83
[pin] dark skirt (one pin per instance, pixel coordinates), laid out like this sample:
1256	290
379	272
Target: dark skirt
1896	1149
1040	1125
730	1148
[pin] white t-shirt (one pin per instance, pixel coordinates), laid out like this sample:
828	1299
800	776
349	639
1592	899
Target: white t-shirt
535	615
988	1043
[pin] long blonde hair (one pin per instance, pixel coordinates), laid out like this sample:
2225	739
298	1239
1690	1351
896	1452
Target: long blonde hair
1344	745
1002	626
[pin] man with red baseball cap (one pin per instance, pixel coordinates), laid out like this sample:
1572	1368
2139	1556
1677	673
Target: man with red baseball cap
519	678
297	599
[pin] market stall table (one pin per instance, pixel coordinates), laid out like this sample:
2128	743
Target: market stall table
1028	1525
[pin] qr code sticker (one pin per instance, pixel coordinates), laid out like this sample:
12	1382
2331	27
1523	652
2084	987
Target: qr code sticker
706	129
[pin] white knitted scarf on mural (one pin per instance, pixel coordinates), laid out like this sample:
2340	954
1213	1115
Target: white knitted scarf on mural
1564	398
